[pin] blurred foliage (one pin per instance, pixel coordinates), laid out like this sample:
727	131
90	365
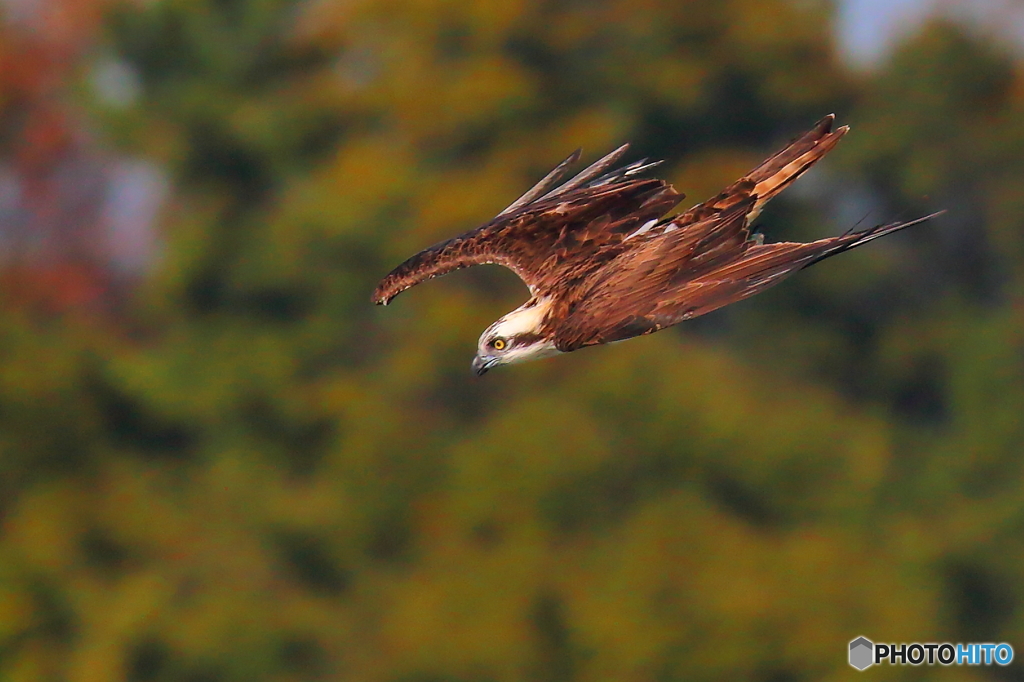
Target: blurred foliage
253	473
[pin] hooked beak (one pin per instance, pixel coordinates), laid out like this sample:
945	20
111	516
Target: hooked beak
482	363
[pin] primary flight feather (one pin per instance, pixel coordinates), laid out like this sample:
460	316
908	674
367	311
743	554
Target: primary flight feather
603	264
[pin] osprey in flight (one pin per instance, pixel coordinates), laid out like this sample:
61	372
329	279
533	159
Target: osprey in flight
603	264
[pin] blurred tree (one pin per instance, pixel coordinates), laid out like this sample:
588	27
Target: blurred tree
951	362
270	479
52	174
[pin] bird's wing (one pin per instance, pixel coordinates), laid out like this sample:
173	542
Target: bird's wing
662	284
556	237
548	234
704	258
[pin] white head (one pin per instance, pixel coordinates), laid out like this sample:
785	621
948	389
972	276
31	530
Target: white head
516	337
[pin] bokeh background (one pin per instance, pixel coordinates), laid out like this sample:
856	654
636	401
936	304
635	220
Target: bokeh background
218	461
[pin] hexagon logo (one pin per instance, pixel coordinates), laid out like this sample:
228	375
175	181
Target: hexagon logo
862	653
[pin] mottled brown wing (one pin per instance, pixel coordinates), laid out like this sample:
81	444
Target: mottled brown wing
679	252
561	236
708	234
676	279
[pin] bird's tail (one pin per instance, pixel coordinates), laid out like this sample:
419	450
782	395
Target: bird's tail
771	177
779	171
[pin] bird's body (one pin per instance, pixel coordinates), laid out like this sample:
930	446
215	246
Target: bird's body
603	264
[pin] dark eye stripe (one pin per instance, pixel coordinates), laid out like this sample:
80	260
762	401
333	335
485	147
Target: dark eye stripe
525	339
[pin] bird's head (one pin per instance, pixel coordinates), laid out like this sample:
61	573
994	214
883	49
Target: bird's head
516	337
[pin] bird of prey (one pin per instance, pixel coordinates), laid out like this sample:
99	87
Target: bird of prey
604	264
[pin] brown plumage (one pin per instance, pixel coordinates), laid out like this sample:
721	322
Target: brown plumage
603	265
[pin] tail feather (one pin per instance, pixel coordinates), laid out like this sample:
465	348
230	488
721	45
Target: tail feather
781	170
772	176
797	147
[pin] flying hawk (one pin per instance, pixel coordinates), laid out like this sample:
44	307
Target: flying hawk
603	264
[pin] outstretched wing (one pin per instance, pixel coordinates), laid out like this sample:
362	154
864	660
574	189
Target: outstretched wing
667	283
704	258
549	234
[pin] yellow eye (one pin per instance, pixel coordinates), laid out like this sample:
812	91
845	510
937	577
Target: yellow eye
498	344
